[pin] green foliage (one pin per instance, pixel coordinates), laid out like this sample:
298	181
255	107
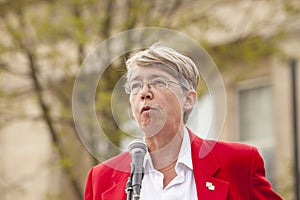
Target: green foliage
66	162
103	104
249	51
292	7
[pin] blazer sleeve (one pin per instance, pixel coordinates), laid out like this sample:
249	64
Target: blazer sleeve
260	187
88	193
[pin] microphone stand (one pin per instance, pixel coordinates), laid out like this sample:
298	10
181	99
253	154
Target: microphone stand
129	188
133	192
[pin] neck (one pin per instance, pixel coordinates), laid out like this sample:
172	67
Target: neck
164	147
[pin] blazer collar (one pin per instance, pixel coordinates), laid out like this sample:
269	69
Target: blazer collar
206	167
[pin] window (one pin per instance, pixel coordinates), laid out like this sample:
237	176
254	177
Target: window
255	120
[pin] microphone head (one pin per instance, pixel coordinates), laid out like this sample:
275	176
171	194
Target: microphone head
137	150
137	146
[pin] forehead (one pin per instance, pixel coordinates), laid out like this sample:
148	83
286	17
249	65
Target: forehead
141	73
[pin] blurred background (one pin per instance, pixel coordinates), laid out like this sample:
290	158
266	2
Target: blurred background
44	42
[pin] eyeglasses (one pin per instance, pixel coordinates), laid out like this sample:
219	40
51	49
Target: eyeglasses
135	87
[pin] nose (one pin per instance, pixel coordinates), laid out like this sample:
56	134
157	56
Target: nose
145	92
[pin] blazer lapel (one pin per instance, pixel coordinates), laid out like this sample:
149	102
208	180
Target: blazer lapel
205	169
118	187
119	179
117	190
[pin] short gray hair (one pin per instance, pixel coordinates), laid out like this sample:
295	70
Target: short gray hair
178	65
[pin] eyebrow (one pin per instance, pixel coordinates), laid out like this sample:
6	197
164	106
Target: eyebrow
152	76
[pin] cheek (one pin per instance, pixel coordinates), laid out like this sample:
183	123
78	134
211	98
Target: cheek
133	105
174	107
175	112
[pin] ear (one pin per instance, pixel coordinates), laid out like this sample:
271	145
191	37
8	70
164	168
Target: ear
190	99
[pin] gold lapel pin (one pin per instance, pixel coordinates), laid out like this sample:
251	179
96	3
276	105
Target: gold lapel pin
210	186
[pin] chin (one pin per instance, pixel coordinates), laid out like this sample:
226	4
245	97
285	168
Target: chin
152	129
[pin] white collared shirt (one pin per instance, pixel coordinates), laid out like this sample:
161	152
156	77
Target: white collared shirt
182	187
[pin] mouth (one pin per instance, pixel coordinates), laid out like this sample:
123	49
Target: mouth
146	109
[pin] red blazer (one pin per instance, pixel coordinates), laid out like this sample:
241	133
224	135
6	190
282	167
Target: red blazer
236	170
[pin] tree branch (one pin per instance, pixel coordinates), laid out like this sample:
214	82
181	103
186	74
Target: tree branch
46	114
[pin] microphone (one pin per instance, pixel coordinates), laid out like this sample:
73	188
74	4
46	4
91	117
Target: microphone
137	150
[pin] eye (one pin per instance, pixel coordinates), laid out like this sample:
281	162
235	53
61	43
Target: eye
159	82
135	85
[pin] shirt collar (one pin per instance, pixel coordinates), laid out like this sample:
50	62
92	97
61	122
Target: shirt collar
184	156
